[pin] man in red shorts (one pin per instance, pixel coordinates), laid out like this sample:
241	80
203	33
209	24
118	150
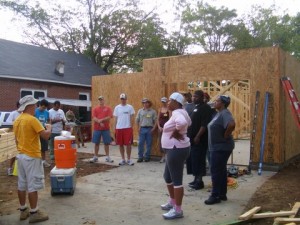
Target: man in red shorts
124	116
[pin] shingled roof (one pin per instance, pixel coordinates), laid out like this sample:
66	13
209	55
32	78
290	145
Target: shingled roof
28	62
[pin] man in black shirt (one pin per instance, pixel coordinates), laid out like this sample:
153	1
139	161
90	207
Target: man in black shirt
197	132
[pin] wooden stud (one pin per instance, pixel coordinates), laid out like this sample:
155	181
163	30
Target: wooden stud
295	209
247	215
272	214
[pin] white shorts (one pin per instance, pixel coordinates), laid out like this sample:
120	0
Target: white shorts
30	173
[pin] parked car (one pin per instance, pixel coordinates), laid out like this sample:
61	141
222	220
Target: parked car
3	118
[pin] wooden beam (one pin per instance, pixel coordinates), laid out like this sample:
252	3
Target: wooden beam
272	214
239	101
222	89
295	209
247	215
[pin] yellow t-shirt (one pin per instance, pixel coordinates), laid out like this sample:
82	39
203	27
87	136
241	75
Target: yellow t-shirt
27	128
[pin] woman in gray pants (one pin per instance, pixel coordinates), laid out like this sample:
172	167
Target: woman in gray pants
176	144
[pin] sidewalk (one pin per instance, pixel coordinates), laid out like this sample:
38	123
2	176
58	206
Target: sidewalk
131	195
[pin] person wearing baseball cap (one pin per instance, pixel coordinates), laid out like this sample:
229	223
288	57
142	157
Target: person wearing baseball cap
28	130
124	116
101	116
176	144
123	96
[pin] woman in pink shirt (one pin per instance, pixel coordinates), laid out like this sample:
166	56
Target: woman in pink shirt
176	144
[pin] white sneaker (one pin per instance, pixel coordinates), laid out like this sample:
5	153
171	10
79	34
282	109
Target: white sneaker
94	159
108	159
46	164
172	214
122	162
167	206
130	162
9	171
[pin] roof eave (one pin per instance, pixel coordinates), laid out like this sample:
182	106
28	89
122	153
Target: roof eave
44	80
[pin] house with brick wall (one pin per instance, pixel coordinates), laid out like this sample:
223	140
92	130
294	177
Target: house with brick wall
45	73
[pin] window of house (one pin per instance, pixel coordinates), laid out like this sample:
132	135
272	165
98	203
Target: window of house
36	93
84	112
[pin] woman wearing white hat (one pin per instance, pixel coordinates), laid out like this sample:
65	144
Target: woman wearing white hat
176	144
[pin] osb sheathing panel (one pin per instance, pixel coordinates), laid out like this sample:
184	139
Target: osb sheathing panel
265	77
289	132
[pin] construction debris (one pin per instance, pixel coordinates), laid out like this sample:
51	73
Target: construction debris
278	216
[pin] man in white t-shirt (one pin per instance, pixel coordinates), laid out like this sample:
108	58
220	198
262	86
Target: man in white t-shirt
124	116
57	120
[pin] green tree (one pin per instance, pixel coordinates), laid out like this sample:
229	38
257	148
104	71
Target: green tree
263	28
294	41
210	27
117	37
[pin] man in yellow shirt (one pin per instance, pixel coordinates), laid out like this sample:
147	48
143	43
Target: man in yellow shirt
28	130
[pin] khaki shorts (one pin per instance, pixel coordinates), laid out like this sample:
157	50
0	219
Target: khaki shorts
30	173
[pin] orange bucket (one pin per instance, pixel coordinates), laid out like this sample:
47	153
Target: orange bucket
65	152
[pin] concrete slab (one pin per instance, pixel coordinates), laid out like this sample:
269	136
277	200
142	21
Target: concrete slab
132	195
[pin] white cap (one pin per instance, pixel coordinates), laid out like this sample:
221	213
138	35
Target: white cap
163	99
123	96
177	97
25	101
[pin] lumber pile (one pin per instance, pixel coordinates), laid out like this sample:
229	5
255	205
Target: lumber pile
8	147
279	217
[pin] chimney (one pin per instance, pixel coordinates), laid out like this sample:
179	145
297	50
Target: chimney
59	68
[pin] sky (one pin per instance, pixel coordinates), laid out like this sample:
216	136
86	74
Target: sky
12	30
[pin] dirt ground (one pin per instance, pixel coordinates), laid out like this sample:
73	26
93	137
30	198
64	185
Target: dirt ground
279	193
8	184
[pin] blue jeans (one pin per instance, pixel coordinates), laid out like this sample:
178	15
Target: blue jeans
145	136
218	170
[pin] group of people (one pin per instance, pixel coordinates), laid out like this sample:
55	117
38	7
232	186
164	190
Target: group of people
147	121
187	128
59	121
190	131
